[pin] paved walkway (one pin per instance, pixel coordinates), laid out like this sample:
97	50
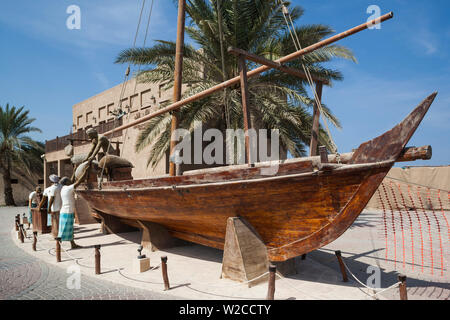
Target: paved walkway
24	276
194	270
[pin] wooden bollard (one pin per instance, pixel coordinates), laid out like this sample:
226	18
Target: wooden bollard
34	240
58	249
17	222
402	287
97	259
164	273
271	284
21	233
341	265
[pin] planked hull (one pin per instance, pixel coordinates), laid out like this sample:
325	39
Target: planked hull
305	206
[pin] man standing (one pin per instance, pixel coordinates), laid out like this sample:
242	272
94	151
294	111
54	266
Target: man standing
54	202
33	201
46	199
67	214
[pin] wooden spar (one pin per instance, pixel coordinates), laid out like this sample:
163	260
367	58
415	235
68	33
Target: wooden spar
252	73
178	74
273	64
245	105
408	154
315	126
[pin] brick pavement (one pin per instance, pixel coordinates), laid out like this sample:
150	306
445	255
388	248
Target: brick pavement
25	277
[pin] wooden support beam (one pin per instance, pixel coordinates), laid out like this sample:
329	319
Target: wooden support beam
271	283
413	153
58	249
273	64
408	154
315	126
245	106
402	287
178	75
323	154
245	255
341	265
164	273
97	259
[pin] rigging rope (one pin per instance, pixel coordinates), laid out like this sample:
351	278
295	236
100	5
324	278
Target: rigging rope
139	70
124	84
298	46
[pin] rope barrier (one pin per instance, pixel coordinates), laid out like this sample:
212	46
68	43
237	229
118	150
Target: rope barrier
384	224
429	228
439	232
392	221
401	222
295	288
376	292
285	280
410	224
420	224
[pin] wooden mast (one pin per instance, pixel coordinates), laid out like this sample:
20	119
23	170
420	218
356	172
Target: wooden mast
245	106
178	76
315	126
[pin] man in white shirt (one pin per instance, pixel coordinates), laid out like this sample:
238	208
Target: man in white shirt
54	202
33	201
67	213
46	198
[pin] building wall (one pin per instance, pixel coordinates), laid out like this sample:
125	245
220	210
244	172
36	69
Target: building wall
138	100
21	190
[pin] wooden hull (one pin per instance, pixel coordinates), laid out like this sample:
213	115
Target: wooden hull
305	206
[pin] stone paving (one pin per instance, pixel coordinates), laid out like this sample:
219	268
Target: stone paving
194	270
23	276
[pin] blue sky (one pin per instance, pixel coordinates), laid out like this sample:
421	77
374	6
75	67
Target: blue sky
48	68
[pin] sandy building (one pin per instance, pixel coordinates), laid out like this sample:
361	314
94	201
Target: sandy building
22	185
137	100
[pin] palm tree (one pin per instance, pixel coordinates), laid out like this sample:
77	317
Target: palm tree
18	152
277	100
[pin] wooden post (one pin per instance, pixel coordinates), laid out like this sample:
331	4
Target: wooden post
34	240
341	264
271	284
245	106
315	126
17	222
402	287
323	154
58	249
164	273
97	259
21	233
178	73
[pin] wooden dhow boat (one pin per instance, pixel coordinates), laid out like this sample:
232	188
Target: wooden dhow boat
307	204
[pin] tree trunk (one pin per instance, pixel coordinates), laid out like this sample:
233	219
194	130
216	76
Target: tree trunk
9	198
